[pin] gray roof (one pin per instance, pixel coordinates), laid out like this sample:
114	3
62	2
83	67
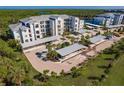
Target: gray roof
99	17
70	49
93	25
97	38
55	17
42	18
82	31
24	27
59	16
25	20
115	26
40	41
15	27
107	15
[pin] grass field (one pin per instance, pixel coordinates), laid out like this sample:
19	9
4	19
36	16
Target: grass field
116	76
91	71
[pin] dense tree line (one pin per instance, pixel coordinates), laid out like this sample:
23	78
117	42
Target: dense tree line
75	12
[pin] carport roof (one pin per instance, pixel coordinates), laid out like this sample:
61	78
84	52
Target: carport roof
115	26
70	49
97	38
94	25
40	41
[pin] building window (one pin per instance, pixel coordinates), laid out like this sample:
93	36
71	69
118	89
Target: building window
46	26
36	26
47	22
37	32
41	22
47	29
59	26
26	36
29	31
30	35
59	22
30	39
26	40
42	30
38	36
59	29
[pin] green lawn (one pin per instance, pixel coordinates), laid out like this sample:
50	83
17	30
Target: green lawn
92	70
116	76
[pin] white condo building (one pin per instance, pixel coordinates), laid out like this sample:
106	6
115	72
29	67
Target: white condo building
37	27
109	19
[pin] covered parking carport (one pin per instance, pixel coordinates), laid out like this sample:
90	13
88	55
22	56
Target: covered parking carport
70	51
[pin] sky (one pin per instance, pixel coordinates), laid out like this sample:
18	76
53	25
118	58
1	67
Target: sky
61	7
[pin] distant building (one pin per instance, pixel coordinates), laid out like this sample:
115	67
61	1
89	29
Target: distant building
108	19
118	19
37	27
99	20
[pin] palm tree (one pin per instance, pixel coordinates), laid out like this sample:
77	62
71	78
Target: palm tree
43	77
74	72
58	46
54	45
53	74
84	41
62	73
18	76
52	54
45	72
72	39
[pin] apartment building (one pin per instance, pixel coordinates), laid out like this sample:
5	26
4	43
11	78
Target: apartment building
99	20
109	19
38	27
118	19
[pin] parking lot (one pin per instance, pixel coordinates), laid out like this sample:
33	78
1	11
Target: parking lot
57	67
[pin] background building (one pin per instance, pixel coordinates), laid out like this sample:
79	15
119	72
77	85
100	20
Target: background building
108	19
118	19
